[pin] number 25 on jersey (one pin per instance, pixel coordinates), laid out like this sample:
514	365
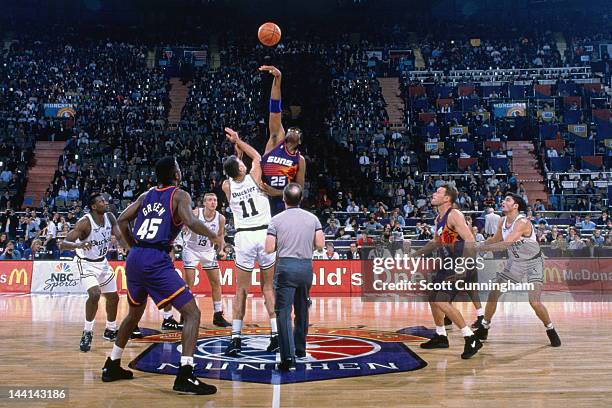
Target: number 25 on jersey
149	228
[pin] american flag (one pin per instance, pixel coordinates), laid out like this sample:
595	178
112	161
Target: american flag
199	55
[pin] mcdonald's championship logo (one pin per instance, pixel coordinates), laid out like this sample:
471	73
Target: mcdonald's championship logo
332	353
66	113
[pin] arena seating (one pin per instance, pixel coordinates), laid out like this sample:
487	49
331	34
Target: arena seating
454	132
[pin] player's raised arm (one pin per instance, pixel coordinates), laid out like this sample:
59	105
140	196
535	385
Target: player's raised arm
123	222
277	132
183	207
81	231
250	151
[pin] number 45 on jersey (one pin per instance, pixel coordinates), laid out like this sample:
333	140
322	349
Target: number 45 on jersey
149	228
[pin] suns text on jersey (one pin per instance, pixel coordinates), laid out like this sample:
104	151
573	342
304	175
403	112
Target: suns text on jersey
279	160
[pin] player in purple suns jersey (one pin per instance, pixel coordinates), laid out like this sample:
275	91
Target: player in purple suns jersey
281	162
159	215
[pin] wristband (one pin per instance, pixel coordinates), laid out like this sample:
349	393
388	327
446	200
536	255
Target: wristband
275	106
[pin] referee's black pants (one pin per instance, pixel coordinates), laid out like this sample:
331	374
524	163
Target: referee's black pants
292	281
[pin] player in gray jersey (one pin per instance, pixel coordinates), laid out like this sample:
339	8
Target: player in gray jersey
515	234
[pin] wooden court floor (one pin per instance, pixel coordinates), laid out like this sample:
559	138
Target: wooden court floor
39	338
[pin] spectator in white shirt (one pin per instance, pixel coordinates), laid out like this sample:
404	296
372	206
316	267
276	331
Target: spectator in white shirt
364	160
318	254
330	254
352	208
408	209
491	222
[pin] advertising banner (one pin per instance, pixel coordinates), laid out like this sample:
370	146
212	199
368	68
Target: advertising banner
51	277
338	278
509	110
15	276
59	110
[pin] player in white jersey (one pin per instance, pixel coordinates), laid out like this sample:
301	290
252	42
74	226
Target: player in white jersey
251	210
516	234
199	249
90	238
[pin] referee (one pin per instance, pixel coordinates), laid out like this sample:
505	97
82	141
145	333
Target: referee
293	233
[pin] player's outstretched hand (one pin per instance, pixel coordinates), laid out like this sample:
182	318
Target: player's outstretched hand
271	69
232	135
266	188
85	245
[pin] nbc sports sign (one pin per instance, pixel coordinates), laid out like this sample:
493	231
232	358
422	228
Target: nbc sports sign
15	277
56	277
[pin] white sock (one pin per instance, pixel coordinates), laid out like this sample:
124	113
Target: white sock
441	330
550	326
167	315
480	312
467	332
89	325
236	328
116	353
273	326
187	360
486	324
217	306
111	325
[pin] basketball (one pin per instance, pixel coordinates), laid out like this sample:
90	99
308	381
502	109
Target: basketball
269	34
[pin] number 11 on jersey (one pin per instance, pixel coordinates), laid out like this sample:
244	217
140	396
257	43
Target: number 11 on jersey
245	213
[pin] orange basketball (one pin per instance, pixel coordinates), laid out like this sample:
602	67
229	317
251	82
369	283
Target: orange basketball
269	34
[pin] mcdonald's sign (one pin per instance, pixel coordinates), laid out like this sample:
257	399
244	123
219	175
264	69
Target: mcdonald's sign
15	276
550	273
21	274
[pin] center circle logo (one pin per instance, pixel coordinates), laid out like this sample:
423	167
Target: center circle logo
319	348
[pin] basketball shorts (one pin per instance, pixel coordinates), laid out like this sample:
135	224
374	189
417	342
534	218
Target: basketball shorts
445	275
96	274
207	259
150	272
517	271
249	247
277	205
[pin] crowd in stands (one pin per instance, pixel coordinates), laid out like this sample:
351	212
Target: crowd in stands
522	52
356	163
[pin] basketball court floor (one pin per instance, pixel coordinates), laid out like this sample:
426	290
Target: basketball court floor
357	356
